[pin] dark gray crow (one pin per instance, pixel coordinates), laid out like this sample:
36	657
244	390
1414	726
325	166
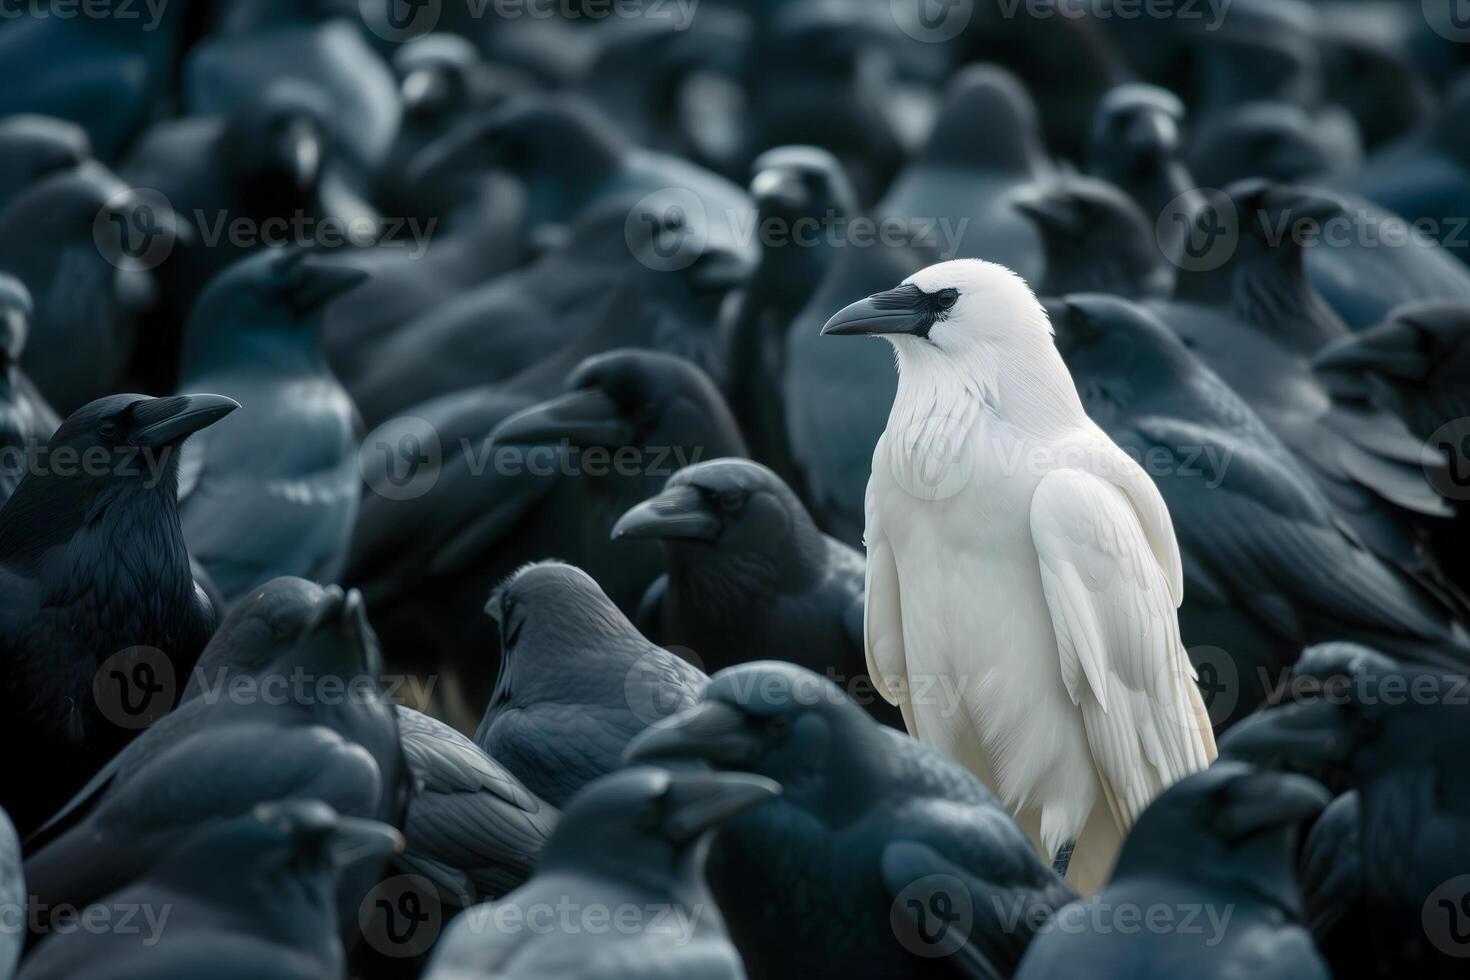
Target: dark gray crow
1256	321
628	859
1137	144
1276	141
749	575
881	855
557	475
1372	75
634	274
836	396
472	827
985	146
1392	734
1205	886
35	147
12	893
80	240
577	681
1269	563
571	156
795	188
251	897
101	617
273	491
1095	239
26	419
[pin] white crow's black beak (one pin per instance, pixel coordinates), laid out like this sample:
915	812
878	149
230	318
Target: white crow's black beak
906	309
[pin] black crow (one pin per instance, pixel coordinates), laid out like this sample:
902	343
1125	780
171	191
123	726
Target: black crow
33	148
559	472
1095	239
577	681
26	419
83	243
1269	563
247	898
749	575
626	867
1371	74
1136	144
1249	312
472	827
273	491
101	619
1205	886
1391	733
881	855
1277	141
795	188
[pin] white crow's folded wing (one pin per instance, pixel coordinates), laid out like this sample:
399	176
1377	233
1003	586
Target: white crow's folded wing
883	617
1112	608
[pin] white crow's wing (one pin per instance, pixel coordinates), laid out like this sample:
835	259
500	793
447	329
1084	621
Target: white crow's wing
1124	666
883	616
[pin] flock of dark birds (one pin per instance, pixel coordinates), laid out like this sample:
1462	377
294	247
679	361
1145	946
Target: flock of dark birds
499	326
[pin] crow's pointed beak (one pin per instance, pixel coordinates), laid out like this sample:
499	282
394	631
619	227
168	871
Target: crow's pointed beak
165	421
903	310
1267	800
585	417
1391	349
711	731
701	801
679	513
1309	736
352	840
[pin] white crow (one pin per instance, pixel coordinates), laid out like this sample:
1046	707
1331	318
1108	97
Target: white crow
1022	573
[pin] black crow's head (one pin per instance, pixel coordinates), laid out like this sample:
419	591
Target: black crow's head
1119	354
1135	129
1416	343
550	608
434	77
265	302
794	182
731	508
636	399
784	722
123	427
1269	140
987	121
641	821
277	144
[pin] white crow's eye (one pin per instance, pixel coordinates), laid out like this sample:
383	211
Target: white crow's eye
947	297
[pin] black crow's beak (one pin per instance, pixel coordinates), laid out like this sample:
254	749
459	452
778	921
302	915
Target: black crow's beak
679	513
1152	131
1310	736
711	731
164	421
1051	212
585	417
299	151
424	92
352	839
906	309
1266	800
317	283
779	186
1391	349
699	801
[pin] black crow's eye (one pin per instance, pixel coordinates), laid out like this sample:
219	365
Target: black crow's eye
107	429
946	298
779	726
731	500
